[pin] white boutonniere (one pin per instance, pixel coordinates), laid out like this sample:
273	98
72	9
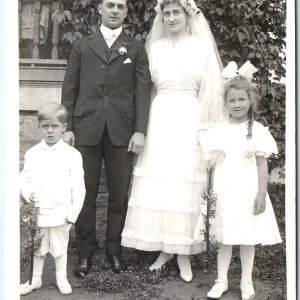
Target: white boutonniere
122	49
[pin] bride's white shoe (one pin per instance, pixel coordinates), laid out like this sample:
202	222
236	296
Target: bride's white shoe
160	261
217	290
185	268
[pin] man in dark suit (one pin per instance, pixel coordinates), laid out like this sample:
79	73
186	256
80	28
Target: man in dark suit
107	92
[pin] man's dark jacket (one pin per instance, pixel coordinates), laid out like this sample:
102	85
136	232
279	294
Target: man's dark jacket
100	88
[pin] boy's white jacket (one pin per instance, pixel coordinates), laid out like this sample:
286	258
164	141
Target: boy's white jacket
55	176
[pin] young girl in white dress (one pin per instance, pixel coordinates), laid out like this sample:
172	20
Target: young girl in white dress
238	149
166	192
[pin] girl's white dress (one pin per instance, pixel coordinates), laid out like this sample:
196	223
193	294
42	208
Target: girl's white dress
236	184
165	199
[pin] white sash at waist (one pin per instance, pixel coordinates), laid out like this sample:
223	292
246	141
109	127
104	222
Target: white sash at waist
177	92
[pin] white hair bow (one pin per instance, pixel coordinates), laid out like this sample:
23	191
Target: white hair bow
231	70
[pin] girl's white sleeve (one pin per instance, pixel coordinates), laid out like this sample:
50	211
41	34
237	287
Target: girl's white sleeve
265	145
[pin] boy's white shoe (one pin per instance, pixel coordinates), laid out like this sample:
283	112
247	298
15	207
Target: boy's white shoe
27	288
64	286
61	275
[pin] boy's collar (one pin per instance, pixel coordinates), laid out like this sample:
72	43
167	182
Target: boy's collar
58	145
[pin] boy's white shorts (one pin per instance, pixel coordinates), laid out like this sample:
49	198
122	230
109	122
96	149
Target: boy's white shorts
55	240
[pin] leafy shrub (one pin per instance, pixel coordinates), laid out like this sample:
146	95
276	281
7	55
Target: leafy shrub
32	238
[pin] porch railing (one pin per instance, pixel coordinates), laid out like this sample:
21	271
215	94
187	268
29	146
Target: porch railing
34	21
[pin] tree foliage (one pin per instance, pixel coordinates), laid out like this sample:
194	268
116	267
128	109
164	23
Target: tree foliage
255	30
244	30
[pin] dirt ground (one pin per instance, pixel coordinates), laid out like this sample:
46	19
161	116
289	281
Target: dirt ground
175	288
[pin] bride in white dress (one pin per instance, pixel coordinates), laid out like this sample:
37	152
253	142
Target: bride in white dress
169	175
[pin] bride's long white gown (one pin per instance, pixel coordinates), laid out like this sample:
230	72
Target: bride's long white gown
165	199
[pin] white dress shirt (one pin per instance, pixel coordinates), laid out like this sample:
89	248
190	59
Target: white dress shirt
110	35
55	175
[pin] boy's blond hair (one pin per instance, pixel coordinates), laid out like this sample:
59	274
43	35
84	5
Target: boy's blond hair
50	109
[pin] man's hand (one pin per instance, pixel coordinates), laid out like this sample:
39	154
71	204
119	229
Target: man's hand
136	143
69	138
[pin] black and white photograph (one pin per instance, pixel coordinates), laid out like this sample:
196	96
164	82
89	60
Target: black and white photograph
149	150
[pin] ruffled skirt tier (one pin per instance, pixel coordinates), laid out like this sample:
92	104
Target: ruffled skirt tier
165	198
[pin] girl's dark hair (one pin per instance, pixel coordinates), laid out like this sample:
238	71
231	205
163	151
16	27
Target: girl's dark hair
241	82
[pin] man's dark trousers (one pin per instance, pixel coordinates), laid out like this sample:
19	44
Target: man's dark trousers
118	167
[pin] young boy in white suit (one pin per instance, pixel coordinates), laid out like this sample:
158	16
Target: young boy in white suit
53	176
